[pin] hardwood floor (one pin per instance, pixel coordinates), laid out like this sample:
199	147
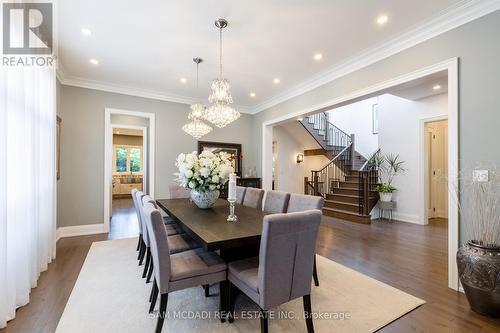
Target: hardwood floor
406	256
124	220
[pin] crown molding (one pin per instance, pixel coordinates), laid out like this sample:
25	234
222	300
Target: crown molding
464	12
127	90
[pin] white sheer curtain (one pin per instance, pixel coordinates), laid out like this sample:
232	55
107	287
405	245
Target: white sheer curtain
27	182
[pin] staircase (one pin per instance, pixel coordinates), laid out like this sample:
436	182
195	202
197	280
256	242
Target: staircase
348	181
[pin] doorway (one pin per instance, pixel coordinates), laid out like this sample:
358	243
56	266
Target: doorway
128	164
436	134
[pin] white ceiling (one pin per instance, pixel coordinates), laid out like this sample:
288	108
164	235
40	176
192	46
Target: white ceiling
148	46
423	87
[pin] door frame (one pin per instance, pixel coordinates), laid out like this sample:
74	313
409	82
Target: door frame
424	171
451	66
148	141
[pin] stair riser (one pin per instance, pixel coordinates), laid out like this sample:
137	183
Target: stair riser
348	217
345	191
349	186
342	206
345	199
355	178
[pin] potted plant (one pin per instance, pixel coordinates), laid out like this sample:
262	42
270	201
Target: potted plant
388	166
205	174
478	259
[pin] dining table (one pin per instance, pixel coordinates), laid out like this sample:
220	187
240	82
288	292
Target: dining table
210	228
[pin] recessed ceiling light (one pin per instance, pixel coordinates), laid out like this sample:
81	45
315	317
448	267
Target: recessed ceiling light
436	87
252	94
276	80
382	19
86	32
318	56
94	62
117	132
183	80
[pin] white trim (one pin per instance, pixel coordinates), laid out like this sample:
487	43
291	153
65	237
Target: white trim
451	66
423	173
74	81
80	230
464	12
108	146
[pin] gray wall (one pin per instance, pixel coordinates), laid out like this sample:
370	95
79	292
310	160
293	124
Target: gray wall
476	44
80	189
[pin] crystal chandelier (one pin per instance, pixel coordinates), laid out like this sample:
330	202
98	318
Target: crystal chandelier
197	128
220	113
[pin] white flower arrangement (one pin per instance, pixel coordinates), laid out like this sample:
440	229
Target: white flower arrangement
204	172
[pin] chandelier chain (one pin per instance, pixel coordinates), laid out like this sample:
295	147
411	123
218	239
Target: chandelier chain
220	52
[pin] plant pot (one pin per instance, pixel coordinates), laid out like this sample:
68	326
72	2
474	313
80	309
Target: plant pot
385	197
204	200
479	272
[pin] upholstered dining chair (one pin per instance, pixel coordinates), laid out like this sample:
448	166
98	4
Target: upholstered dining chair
170	229
301	202
178	271
276	202
283	270
240	194
253	198
140	243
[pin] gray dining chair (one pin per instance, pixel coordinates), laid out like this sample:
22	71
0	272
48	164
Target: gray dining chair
140	244
183	243
178	271
283	270
276	202
301	202
253	198
240	194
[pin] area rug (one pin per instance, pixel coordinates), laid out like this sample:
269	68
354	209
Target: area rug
110	296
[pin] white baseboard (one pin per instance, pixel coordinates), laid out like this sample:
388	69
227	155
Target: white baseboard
80	230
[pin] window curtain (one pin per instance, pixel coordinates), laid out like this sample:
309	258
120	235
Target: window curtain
27	182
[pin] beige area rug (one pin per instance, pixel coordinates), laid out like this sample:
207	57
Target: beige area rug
111	296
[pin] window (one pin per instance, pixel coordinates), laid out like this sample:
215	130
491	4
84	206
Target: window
127	159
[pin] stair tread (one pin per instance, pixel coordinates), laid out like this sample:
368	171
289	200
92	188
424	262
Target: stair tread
343	203
343	211
347	195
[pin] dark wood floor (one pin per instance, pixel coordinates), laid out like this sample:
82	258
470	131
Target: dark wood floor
406	256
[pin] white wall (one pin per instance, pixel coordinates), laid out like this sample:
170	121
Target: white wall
399	133
356	119
290	173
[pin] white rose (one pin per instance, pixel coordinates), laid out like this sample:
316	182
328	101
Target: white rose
181	158
204	172
188	173
191	184
215	179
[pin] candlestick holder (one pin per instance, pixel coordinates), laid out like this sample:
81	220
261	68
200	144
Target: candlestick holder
232	217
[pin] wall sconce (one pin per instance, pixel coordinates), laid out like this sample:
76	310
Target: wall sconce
300	158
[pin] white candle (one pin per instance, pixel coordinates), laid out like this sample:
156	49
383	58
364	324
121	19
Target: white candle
232	187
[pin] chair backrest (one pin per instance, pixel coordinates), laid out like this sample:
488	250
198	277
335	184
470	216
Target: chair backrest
302	202
253	198
179	192
160	251
276	202
240	194
286	256
137	209
145	199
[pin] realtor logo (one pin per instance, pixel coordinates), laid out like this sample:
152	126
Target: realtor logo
27	28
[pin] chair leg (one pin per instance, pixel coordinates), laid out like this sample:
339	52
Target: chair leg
223	300
154	297
142	252
264	322
148	261
150	271
308	313
162	312
233	292
206	287
138	243
152	291
315	273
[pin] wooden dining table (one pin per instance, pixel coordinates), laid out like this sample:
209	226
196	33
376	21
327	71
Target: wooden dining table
210	228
